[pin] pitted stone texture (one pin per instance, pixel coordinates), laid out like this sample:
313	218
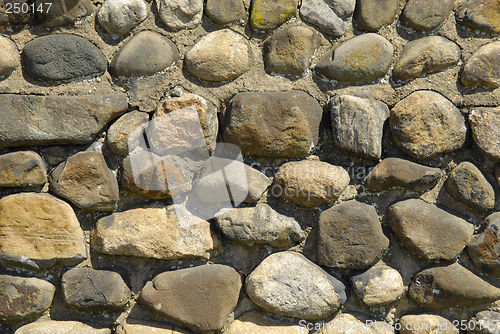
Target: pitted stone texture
277	124
350	236
346	323
226	11
330	16
429	324
484	322
426	124
310	183
428	231
450	286
484	248
39	230
426	15
10	56
395	172
480	14
219	56
60	327
425	55
287	283
22	169
144	54
358	124
363	58
62	12
135	326
468	185
120	132
183	14
265	15
485	125
254	322
10	19
62	57
118	17
44	120
176	295
22	297
372	15
483	67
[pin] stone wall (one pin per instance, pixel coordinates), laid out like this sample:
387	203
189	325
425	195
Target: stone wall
357	140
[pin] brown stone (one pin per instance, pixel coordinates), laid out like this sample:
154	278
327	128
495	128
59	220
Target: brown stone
346	323
480	14
60	327
426	15
63	12
125	130
10	54
484	248
255	322
22	169
485	125
371	15
483	67
136	326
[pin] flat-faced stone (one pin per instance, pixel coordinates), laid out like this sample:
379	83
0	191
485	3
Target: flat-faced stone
10	56
425	55
426	15
62	12
22	169
60	327
485	125
483	67
310	183
371	15
226	11
176	295
118	17
39	230
10	18
450	286
254	322
120	132
484	248
395	172
426	324
484	322
350	236
358	124
426	124
146	53
363	58
480	14
177	15
330	16
43	120
287	283
219	56
135	326
265	15
277	124
346	323
22	298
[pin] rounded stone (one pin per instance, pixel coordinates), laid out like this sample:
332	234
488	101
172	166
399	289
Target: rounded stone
124	131
118	17
22	169
480	14
332	17
180	14
10	56
426	15
226	11
371	15
219	56
265	15
483	67
484	248
485	125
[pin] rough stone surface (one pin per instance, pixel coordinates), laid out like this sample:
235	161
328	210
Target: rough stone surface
483	67
346	323
144	54
371	15
290	127
176	295
429	324
124	130
38	230
450	286
468	185
330	16
427	230
22	297
134	326
358	124
480	14
86	181
89	288
395	172
310	183
426	15
484	123
484	322
10	19
118	17
226	11
44	120
62	12
60	327
287	283
254	322
363	58
425	55
10	56
425	124
265	15
350	236
484	248
219	56
184	14
22	169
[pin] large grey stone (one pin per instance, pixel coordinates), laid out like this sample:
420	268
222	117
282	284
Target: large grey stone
485	126
330	16
426	323
484	248
183	14
480	14
22	169
118	17
372	15
483	67
60	327
426	15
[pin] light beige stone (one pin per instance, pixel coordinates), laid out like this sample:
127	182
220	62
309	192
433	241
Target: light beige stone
133	326
254	322
346	323
425	324
60	327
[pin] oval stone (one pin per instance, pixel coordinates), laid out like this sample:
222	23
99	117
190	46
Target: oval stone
371	15
10	56
483	68
266	15
426	15
119	16
480	14
184	14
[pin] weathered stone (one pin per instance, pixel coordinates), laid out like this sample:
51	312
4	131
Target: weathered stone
10	56
22	169
146	53
278	124
372	15
426	15
176	15
358	124
60	327
254	322
451	286
265	15
22	298
483	67
168	233
330	16
484	322
346	323
219	56
62	12
134	326
11	18
39	230
89	288
118	17
289	50
62	57
176	295
124	130
427	230
226	11
86	181
484	123
426	324
363	58
310	183
287	283
426	124
43	120
350	236
468	185
378	285
484	248
54	155
425	55
395	172
480	14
